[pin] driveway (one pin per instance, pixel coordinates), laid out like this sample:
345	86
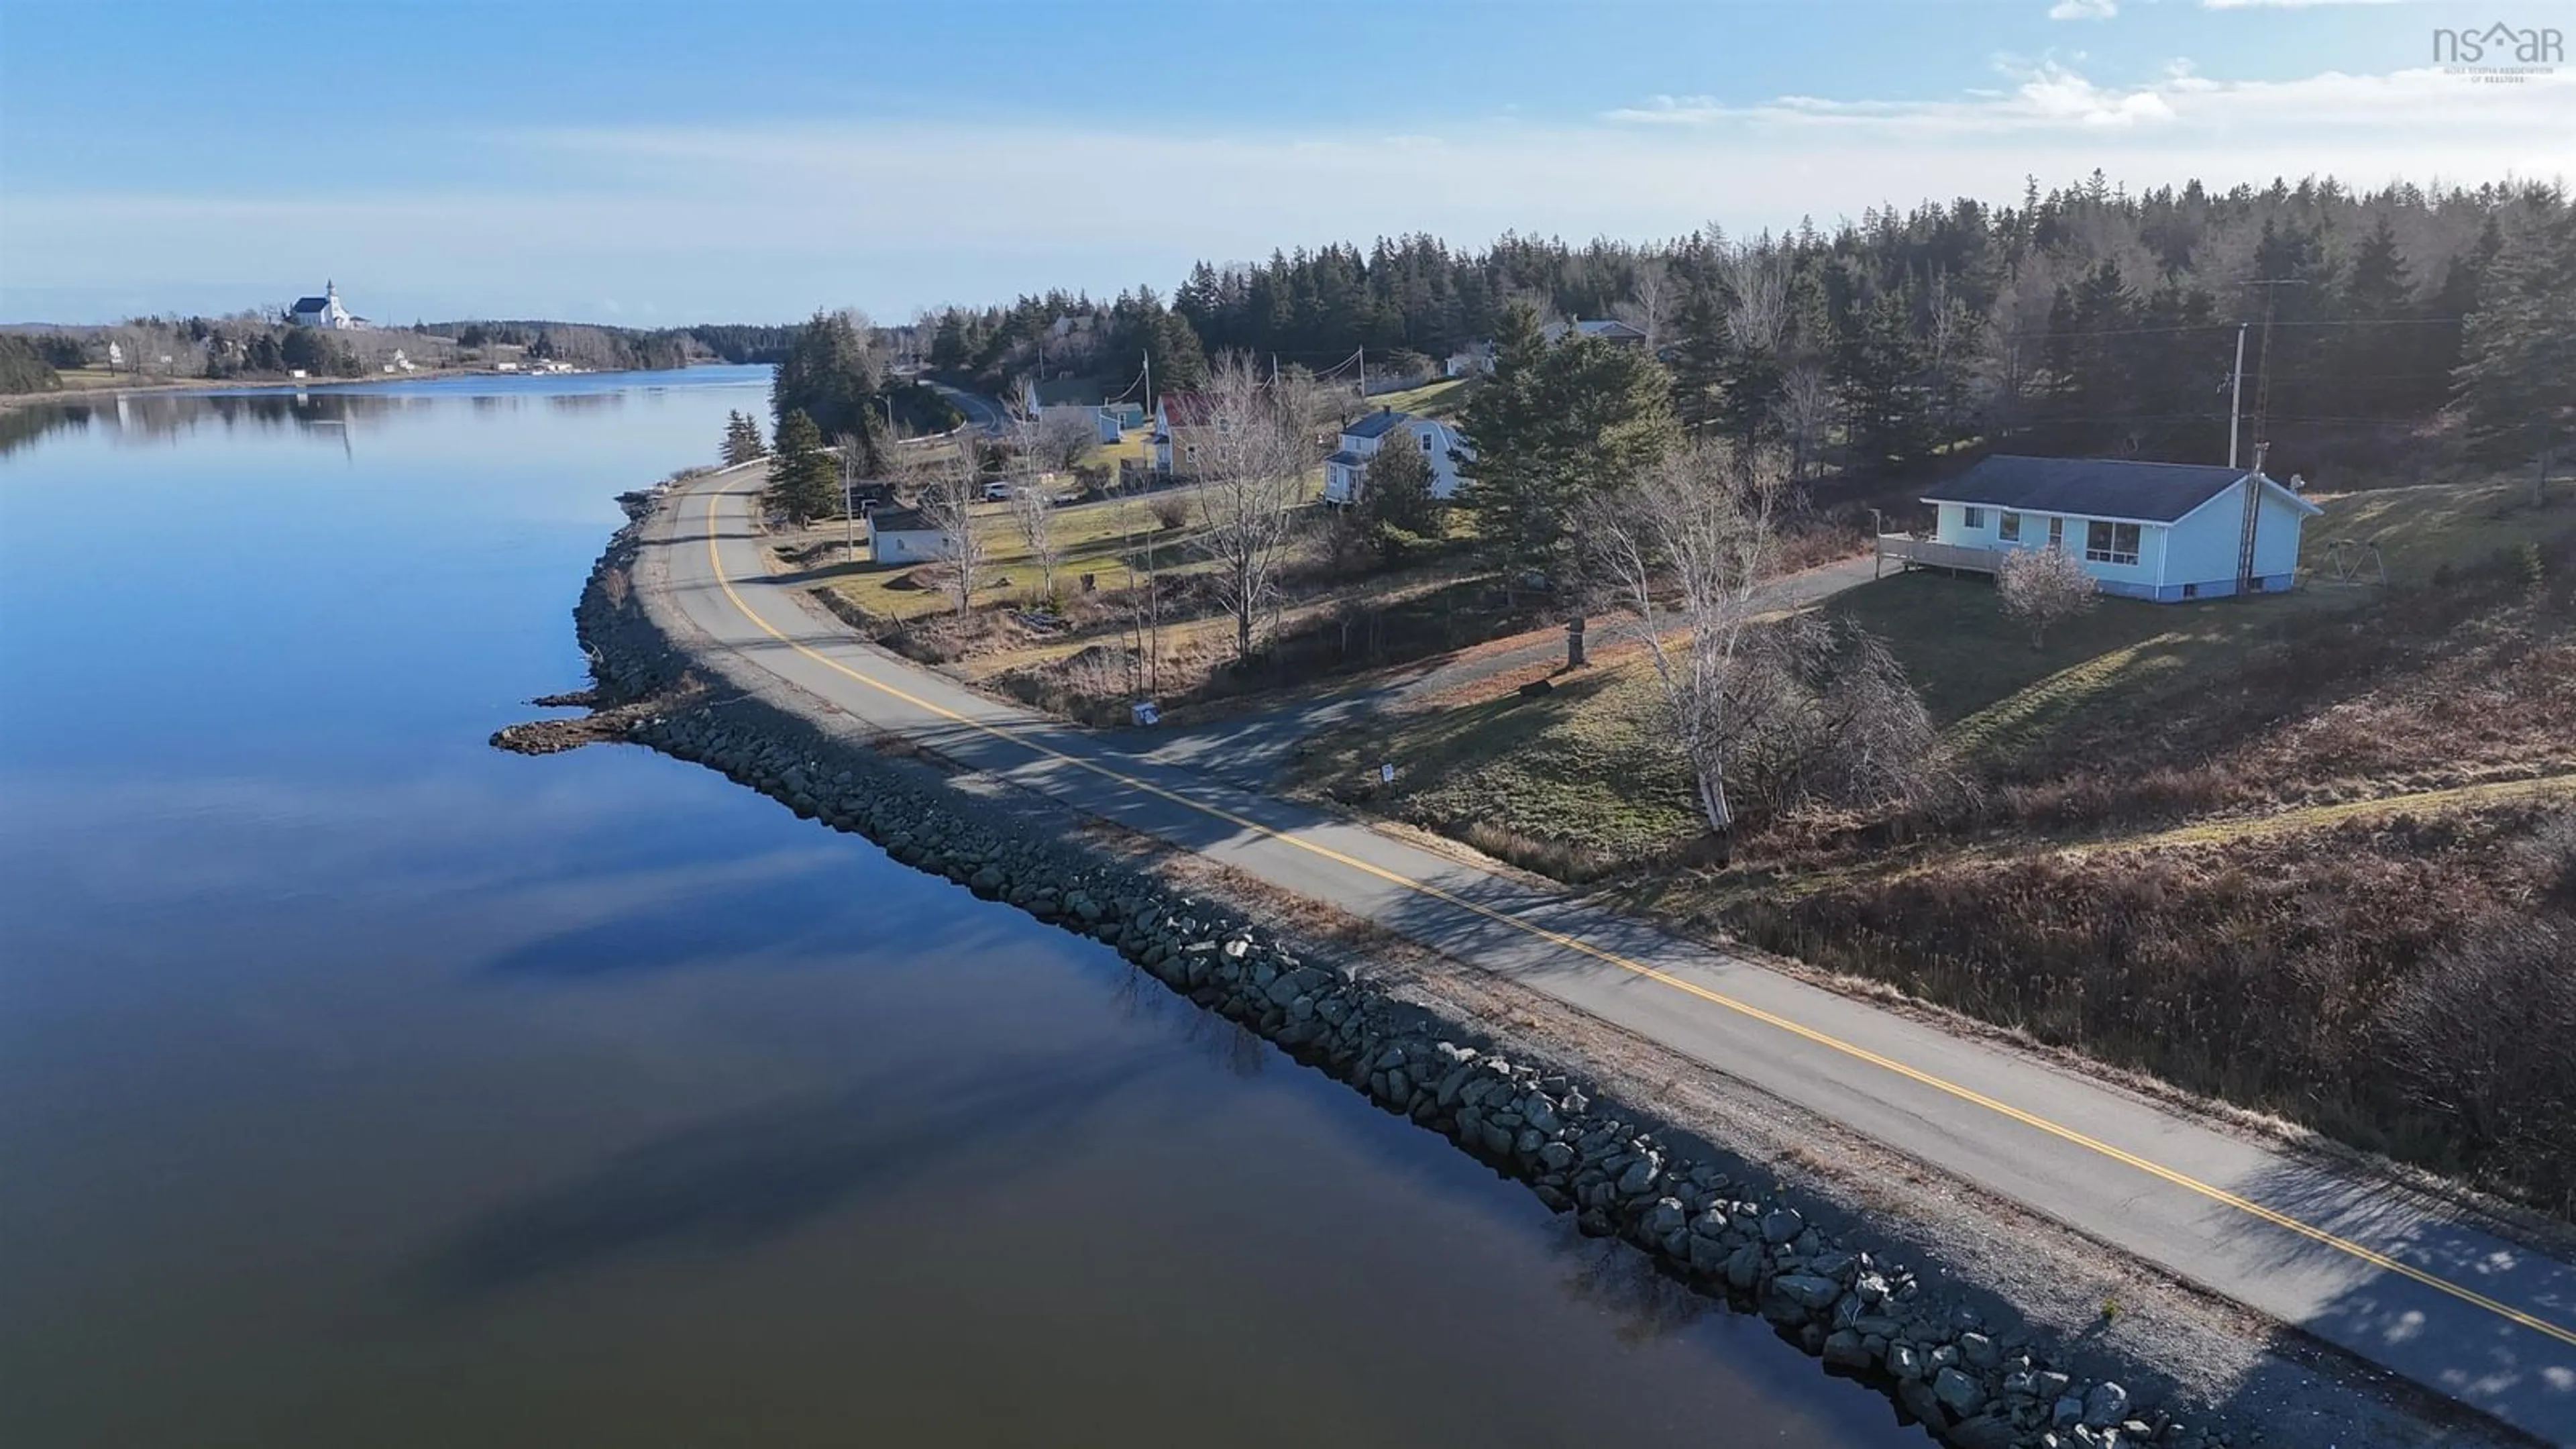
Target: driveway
1253	750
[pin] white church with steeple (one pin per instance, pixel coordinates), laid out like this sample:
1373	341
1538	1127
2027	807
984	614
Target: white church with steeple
323	311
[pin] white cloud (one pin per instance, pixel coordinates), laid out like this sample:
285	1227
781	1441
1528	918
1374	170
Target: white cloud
2083	9
2327	108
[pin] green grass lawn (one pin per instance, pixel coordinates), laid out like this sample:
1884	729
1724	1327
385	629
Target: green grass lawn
1587	766
1431	400
1584	767
1998	696
1093	538
2419	530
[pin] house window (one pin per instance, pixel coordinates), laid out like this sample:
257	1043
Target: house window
1974	518
2008	528
1426	442
2191	591
2110	543
2057	533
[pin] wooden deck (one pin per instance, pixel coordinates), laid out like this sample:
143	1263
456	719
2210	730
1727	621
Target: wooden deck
1910	552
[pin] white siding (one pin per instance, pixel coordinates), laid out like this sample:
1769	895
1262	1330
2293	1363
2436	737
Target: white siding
907	546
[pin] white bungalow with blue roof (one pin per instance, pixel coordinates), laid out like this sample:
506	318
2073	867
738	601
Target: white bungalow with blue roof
1441	446
2161	531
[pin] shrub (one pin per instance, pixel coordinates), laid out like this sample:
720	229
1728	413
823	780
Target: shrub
2041	586
2486	1039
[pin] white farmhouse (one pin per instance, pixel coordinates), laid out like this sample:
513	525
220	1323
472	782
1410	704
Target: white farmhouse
1440	445
1476	359
1071	397
2160	531
324	311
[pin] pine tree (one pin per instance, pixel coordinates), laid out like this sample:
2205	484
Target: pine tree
1879	367
1699	339
832	375
2517	380
1552	426
2463	290
2371	355
1396	501
804	483
742	441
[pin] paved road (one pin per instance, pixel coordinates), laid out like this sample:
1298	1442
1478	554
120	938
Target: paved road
2390	1278
981	411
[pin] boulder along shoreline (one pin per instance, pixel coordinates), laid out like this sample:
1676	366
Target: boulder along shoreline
1876	1321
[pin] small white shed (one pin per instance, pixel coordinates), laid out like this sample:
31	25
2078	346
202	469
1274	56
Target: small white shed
905	536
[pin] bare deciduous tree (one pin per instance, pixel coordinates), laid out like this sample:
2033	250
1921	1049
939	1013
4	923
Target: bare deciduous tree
872	351
1686	545
1764	711
1054	441
1651	300
1033	500
2485	1034
948	479
2042	586
1804	408
1253	467
1756	278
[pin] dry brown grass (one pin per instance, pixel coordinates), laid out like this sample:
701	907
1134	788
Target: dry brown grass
2260	969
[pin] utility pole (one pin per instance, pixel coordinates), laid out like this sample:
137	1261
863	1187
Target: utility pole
2235	396
2247	581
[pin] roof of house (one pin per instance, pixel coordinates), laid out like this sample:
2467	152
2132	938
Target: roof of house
1375	425
1188	409
312	304
1345	458
2124	488
1063	391
1609	327
900	520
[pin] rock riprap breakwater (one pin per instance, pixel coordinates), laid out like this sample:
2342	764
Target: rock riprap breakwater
1969	1383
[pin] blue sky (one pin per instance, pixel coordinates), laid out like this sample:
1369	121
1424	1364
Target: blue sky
653	163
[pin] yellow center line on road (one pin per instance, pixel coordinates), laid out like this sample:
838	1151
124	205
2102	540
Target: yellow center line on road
2220	1195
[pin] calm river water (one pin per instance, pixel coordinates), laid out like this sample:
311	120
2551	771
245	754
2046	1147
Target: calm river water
362	1085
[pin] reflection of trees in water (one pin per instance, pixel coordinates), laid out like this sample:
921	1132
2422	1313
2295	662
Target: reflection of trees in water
142	417
1645	1303
1140	997
20	427
585	402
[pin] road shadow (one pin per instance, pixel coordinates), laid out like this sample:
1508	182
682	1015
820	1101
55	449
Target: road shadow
735	1182
2475	1351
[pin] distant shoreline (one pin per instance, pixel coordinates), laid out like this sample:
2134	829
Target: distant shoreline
191	386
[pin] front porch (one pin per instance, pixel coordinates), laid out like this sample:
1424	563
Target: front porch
1907	551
